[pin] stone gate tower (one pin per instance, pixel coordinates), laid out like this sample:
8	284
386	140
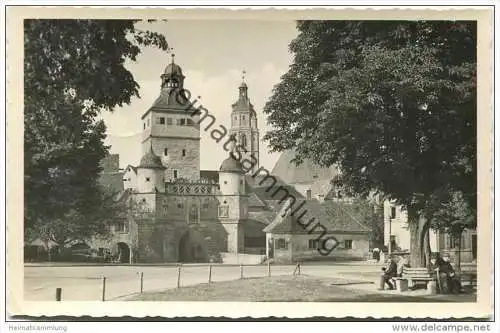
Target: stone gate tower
244	126
172	129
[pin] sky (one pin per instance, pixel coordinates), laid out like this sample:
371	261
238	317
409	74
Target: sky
212	54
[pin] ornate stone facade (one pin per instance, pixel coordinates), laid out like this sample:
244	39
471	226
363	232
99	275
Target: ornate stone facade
180	216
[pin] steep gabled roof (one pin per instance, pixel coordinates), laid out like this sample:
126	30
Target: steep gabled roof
264	216
255	202
305	173
334	216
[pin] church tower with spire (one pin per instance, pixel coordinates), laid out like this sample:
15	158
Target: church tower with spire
244	127
171	129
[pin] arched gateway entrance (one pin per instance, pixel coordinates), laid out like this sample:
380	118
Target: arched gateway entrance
192	248
123	255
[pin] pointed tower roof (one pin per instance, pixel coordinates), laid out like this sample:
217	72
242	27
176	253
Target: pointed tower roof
173	69
173	97
243	103
231	164
150	160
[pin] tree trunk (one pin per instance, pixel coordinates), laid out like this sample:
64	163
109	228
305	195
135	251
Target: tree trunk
417	228
427	244
458	248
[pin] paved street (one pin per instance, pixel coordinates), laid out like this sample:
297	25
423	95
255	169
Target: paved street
85	282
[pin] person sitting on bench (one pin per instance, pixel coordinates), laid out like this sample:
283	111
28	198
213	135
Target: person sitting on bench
389	272
434	264
402	263
449	279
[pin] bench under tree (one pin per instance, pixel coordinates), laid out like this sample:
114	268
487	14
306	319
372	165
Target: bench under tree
420	275
413	276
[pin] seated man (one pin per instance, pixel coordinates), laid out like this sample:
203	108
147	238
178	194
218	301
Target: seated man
434	269
449	279
389	272
402	263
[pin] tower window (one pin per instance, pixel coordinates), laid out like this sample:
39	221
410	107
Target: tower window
393	212
175	174
147	179
184	152
193	214
243	140
169	121
165	151
223	211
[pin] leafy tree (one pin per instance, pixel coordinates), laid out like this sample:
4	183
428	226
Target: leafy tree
393	104
449	212
73	69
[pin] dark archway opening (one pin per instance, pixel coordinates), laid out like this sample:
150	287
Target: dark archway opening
191	248
123	253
